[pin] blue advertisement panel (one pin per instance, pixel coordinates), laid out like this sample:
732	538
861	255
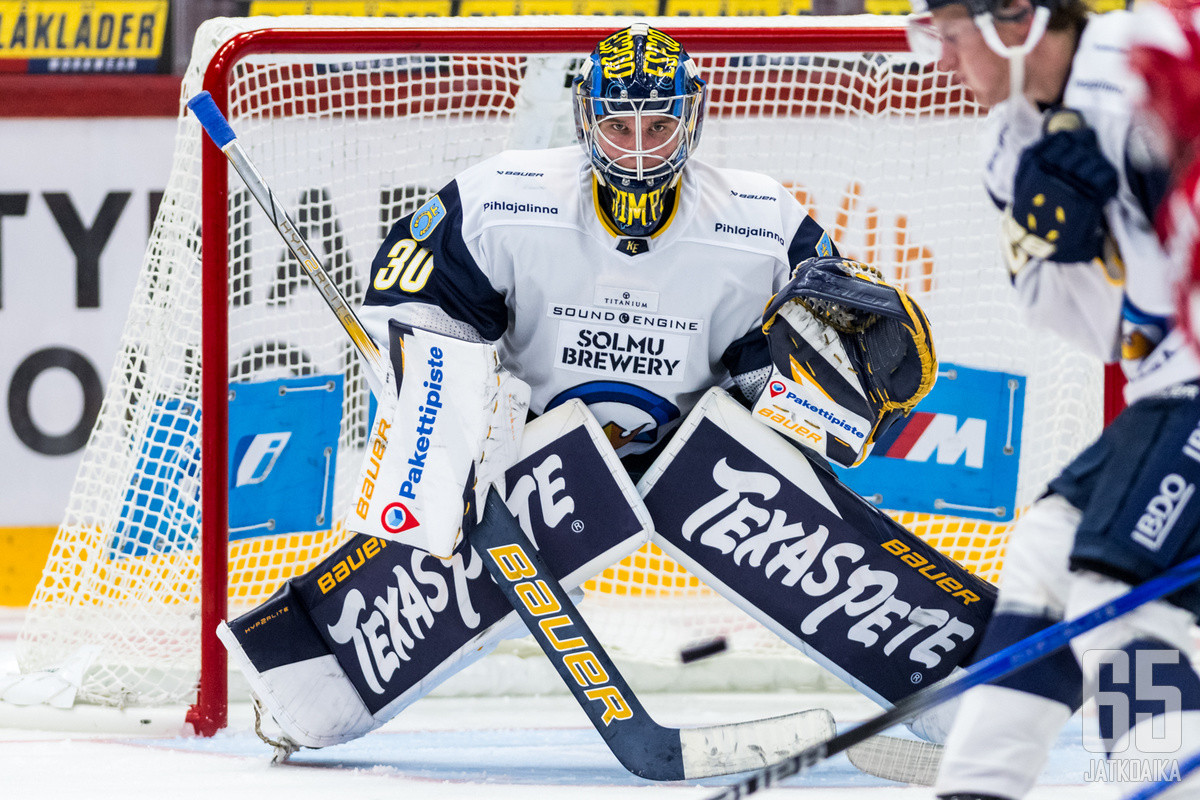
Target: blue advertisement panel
160	505
283	440
957	454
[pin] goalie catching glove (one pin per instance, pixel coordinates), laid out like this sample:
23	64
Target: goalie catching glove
450	433
850	355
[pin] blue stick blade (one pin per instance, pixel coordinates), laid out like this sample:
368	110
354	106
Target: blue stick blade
214	122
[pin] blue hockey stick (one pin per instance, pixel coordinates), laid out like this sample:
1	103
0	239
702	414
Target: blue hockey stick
1158	787
999	665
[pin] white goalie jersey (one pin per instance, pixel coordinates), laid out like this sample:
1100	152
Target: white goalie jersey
1111	311
518	249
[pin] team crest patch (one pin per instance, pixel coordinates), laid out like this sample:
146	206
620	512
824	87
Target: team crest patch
825	245
627	413
426	218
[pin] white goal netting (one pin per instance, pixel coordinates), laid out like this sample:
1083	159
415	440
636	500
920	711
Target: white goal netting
880	149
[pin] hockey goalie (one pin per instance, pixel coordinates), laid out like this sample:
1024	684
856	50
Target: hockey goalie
612	294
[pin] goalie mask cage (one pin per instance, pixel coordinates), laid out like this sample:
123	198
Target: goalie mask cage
355	123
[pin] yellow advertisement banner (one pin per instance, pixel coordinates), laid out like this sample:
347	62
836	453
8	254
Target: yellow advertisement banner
36	29
353	8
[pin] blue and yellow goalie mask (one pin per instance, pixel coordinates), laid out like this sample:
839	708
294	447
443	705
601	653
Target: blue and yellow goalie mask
639	106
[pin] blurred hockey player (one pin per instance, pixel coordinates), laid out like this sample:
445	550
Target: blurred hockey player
1069	167
1166	54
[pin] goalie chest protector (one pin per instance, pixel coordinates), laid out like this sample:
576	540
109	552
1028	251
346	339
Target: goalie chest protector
783	539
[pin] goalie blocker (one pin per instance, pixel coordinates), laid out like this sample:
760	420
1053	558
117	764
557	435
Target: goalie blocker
451	431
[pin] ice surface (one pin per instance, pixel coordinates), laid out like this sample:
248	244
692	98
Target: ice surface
532	748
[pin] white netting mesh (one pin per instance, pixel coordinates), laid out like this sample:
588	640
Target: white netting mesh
882	151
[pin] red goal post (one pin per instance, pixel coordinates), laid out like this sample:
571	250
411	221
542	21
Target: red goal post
882	151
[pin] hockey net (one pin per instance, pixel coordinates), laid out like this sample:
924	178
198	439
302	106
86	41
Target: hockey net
355	123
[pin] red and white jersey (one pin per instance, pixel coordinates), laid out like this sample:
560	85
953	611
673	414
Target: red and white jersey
1179	230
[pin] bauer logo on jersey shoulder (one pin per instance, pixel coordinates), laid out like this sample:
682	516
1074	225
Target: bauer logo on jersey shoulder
426	218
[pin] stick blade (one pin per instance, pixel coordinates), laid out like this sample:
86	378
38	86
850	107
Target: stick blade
742	746
896	759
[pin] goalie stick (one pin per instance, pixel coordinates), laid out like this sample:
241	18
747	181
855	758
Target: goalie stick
642	746
222	135
901	760
992	668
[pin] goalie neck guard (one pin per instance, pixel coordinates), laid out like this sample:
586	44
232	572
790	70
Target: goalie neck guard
850	355
639	106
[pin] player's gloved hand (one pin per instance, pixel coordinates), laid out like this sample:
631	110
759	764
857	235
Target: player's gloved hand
1062	183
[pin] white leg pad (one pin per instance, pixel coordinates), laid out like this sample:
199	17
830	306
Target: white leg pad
1000	742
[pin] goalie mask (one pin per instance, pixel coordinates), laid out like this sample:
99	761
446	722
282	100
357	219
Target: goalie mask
850	355
639	105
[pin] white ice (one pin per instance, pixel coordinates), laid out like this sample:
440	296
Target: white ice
532	748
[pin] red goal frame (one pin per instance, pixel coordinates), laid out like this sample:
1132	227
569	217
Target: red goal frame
210	712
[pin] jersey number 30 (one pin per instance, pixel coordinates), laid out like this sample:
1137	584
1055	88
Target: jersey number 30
409	263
